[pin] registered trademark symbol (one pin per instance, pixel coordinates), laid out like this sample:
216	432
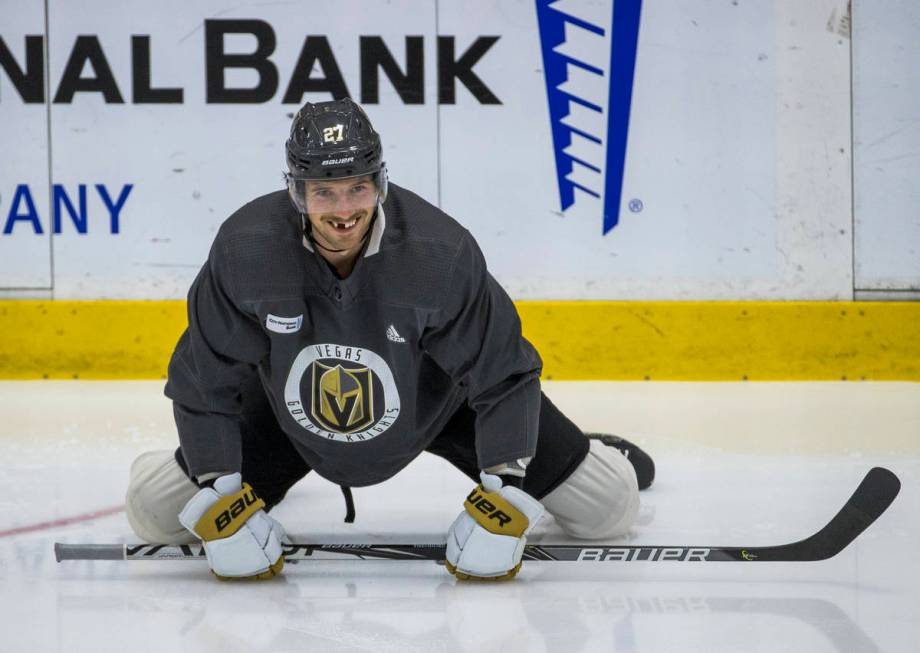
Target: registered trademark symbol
635	205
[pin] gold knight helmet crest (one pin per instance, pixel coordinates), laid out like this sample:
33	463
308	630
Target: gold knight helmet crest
343	399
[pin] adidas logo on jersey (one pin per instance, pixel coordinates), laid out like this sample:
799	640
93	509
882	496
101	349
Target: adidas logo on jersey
393	334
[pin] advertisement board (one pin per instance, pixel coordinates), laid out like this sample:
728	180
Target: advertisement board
597	150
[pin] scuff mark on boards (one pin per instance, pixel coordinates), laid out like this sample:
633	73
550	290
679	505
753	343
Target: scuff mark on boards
840	25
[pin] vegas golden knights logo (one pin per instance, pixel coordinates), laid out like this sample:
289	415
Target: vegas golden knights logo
343	399
333	391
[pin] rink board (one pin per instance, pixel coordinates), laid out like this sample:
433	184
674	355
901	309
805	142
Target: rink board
577	340
671	150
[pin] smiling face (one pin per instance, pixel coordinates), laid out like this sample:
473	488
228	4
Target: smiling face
340	211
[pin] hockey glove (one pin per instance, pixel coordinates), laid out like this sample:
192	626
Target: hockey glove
240	540
486	541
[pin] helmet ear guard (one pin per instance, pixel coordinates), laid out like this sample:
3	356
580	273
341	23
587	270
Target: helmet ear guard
382	181
296	192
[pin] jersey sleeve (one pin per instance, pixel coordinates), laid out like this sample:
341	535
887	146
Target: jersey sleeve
215	353
476	338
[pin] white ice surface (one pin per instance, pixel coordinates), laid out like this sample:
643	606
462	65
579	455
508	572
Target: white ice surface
738	464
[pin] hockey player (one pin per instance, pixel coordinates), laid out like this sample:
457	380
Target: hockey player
344	326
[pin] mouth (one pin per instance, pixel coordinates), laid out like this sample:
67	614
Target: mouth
345	226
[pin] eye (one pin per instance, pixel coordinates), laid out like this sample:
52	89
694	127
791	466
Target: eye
359	188
322	192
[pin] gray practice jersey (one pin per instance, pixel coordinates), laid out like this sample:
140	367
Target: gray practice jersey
362	372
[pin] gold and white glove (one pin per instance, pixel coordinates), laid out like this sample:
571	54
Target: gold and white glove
240	540
487	540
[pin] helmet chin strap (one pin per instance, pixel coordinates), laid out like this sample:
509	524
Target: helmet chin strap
315	243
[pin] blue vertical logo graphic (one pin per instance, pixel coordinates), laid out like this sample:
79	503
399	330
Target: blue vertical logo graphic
589	58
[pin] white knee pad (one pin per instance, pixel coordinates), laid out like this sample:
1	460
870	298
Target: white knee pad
158	489
600	499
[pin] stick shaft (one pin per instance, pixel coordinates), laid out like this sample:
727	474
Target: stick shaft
873	496
301	552
298	552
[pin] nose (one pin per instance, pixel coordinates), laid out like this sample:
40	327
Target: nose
346	206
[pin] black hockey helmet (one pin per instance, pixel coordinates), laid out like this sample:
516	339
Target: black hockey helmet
333	140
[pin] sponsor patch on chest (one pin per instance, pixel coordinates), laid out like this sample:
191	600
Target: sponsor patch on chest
280	324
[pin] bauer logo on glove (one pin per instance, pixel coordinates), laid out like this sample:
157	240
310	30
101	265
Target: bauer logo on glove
487	539
247	498
509	520
240	539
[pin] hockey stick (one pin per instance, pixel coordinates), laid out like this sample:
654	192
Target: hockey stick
873	496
